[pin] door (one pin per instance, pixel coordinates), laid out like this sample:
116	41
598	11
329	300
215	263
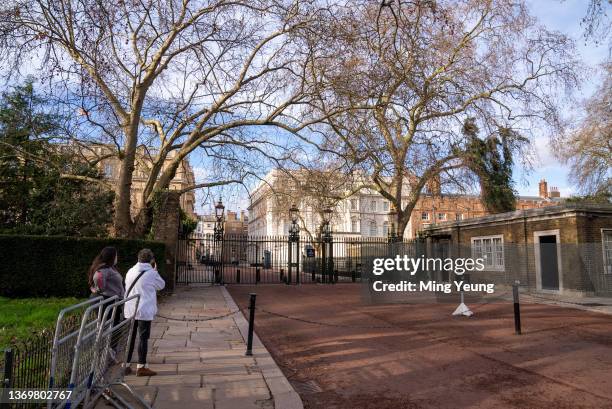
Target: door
549	266
442	251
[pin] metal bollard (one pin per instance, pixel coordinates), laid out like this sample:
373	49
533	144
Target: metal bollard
517	308
238	276
353	276
249	350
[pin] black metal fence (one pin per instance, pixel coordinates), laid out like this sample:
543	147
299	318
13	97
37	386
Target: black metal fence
27	364
277	259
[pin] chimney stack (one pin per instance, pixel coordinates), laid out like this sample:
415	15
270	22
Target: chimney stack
554	192
433	185
543	188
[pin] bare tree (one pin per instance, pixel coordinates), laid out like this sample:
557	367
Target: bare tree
165	76
409	73
597	22
588	147
313	190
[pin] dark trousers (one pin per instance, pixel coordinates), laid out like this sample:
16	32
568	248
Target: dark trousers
116	321
144	332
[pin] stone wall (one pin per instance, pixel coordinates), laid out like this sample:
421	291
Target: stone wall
165	229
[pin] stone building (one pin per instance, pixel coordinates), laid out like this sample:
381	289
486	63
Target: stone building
563	249
366	213
235	225
205	226
110	167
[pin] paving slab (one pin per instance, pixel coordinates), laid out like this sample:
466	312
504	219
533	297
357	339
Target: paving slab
201	362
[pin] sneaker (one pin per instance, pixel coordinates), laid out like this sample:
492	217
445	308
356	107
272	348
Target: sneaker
127	370
145	372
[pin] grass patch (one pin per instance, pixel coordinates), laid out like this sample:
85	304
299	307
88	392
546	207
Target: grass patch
21	318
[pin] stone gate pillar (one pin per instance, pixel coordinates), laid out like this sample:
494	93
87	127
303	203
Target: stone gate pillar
166	229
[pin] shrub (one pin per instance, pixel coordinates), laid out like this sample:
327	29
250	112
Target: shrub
45	266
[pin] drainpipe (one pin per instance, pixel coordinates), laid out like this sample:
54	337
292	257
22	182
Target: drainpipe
525	248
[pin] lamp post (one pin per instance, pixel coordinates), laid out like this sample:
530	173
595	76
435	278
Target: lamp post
294	240
218	238
220	216
392	215
328	246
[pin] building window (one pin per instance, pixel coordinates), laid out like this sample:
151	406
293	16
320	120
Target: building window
441	216
353	204
373	229
373	206
108	170
385	231
606	241
459	216
424	216
385	206
354	225
491	250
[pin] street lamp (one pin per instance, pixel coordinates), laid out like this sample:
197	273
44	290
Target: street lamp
220	216
327	253
294	241
391	236
327	216
294	229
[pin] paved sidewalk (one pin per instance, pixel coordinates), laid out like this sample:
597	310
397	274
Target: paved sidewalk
202	364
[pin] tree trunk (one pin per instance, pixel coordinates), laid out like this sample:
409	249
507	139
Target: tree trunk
123	224
403	218
402	223
143	221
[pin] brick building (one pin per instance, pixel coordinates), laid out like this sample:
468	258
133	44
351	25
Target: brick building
561	249
235	229
434	208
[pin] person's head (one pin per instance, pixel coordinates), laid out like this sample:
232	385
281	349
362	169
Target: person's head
146	256
106	258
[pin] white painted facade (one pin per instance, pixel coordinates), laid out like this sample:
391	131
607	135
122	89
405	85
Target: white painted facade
364	214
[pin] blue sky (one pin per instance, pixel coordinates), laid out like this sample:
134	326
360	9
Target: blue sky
563	16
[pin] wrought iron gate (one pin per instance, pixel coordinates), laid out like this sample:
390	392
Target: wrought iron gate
276	259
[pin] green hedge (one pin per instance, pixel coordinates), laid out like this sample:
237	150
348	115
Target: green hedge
45	266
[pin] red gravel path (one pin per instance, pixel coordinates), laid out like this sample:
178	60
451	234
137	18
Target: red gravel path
428	359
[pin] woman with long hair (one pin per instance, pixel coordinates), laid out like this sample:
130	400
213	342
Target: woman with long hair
104	278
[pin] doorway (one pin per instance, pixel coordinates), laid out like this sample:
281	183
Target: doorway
548	256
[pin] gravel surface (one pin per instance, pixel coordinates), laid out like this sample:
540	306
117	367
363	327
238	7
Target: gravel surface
418	356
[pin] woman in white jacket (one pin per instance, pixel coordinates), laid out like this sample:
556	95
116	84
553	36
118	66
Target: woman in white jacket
142	279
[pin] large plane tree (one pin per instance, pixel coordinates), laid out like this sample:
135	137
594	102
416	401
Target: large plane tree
165	77
403	76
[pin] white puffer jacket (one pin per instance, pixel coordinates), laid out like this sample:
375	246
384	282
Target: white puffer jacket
147	286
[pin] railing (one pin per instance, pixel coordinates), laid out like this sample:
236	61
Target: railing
278	259
83	358
27	364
